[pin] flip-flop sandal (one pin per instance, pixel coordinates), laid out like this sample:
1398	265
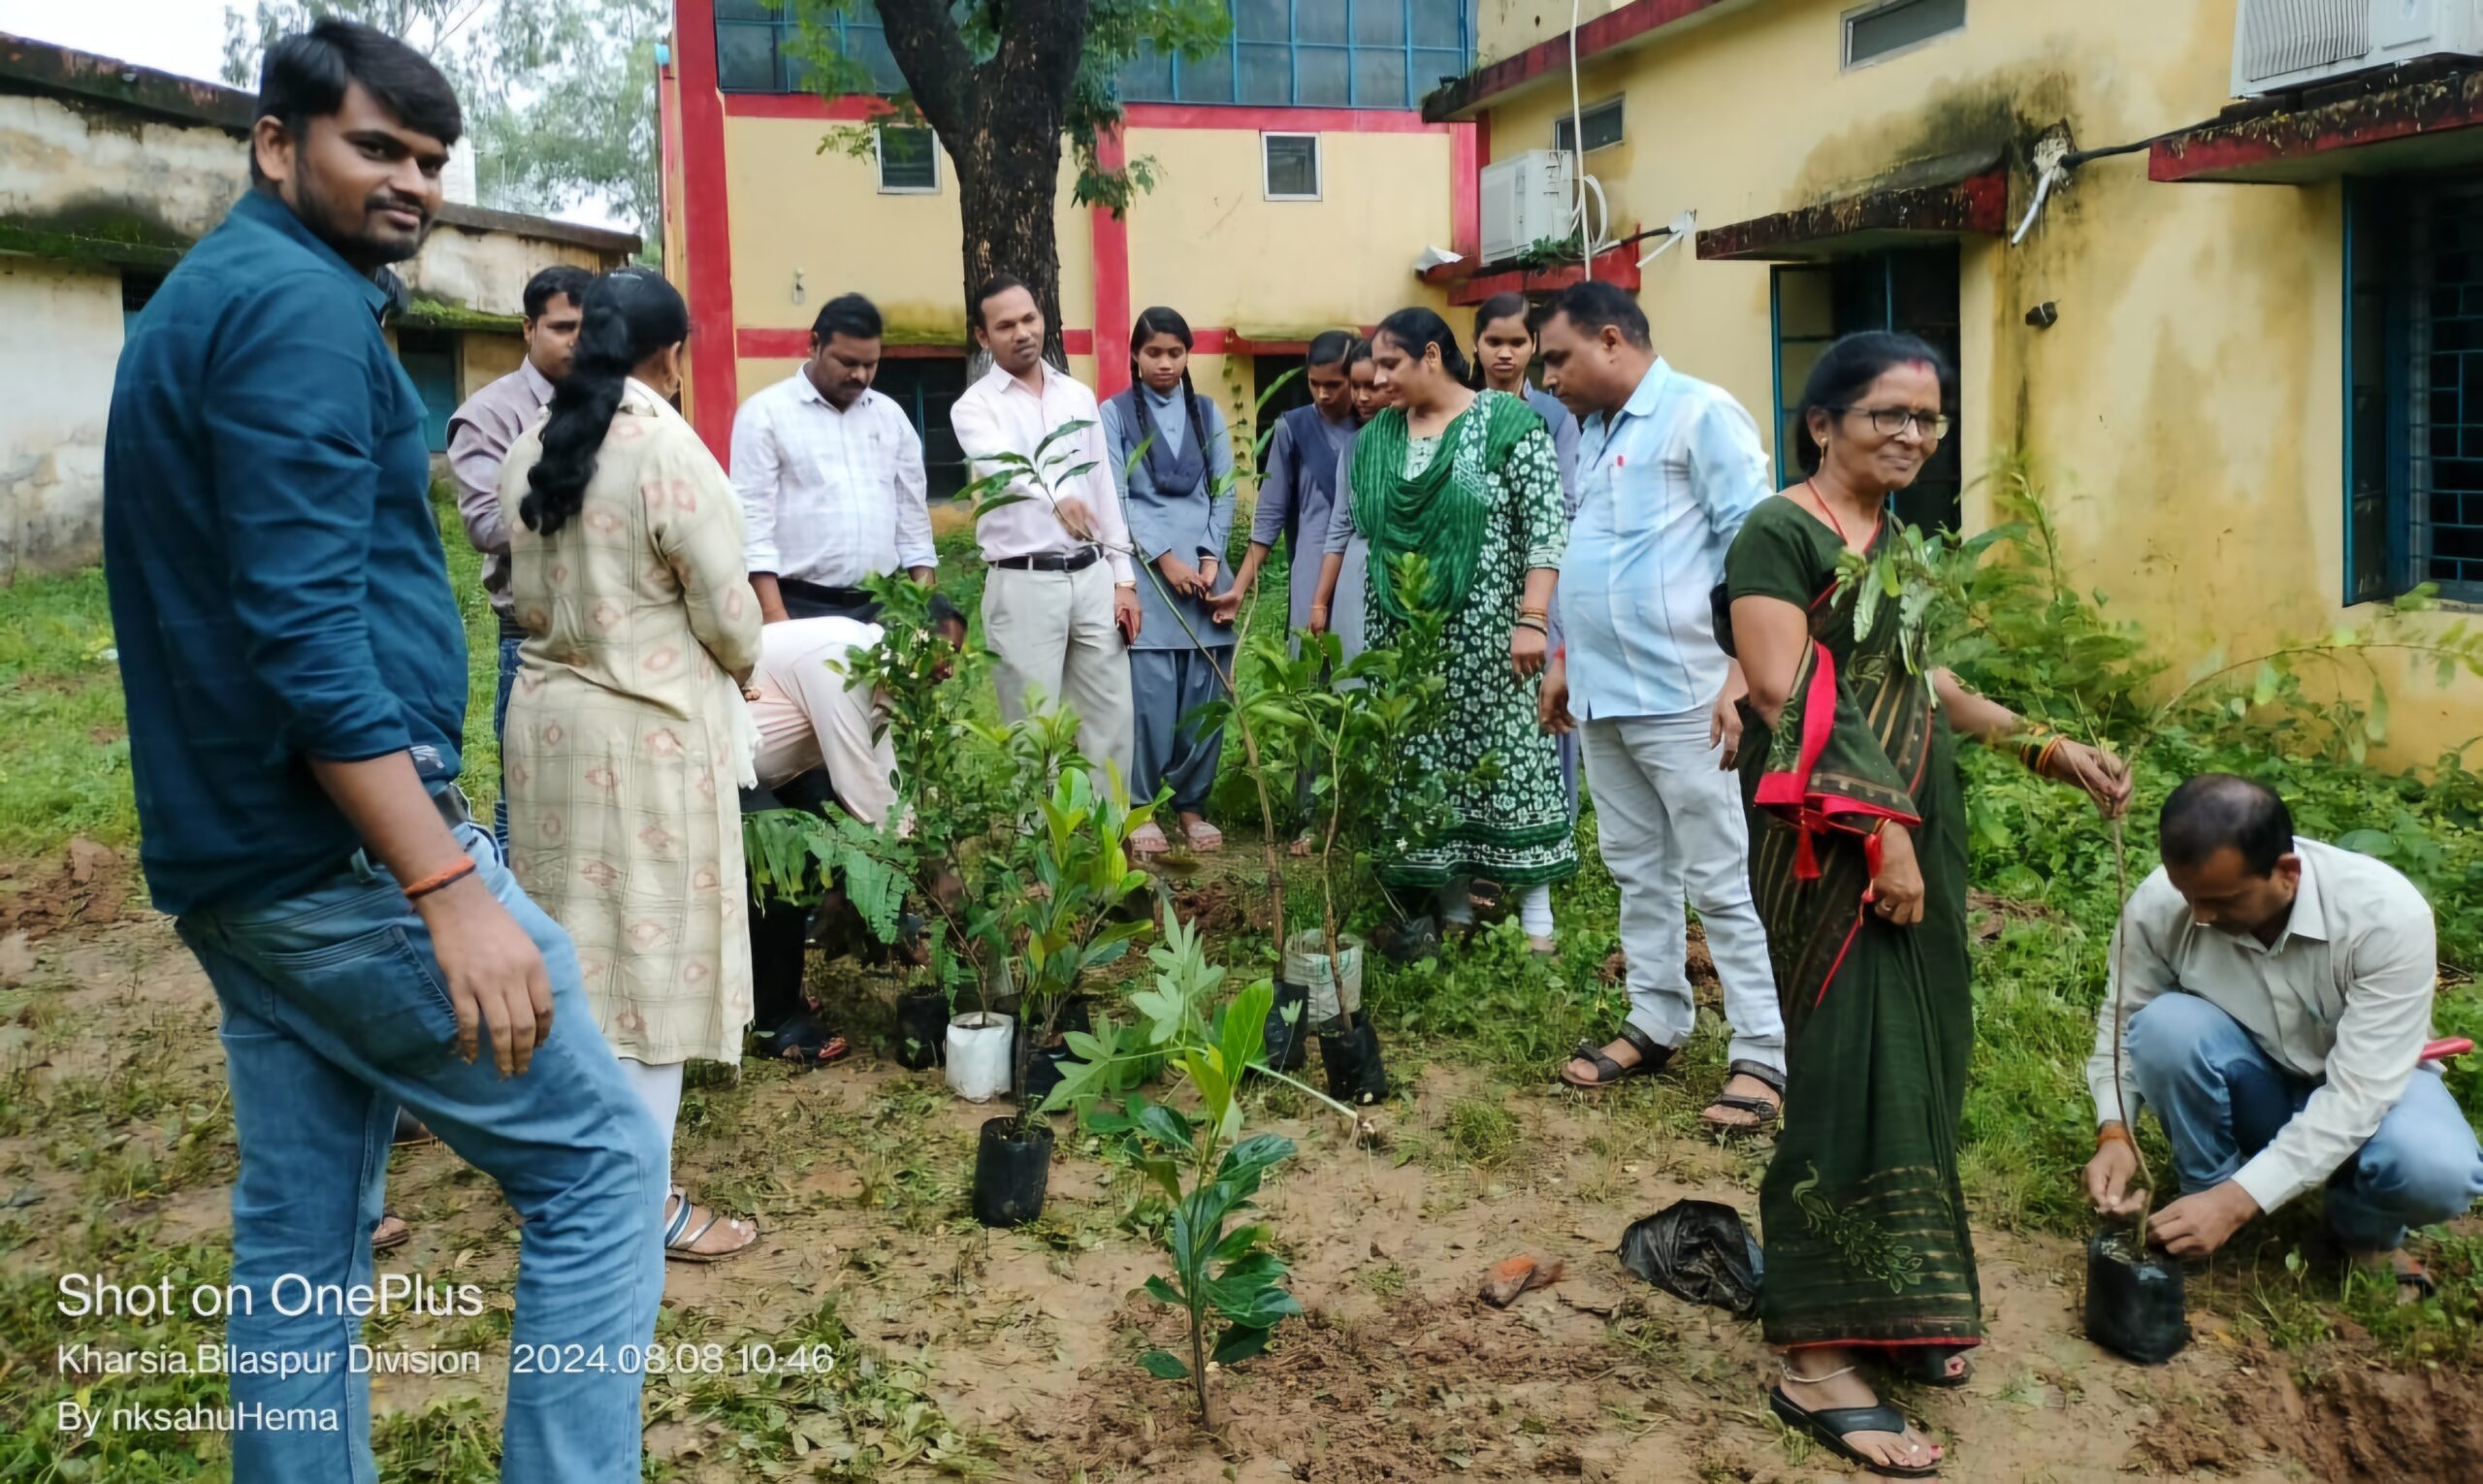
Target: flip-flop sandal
1763	1111
804	1044
1652	1059
1148	840
383	1237
681	1244
2413	1280
1204	838
1831	1426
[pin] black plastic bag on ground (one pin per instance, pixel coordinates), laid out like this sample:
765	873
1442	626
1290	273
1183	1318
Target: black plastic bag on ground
2133	1302
1697	1251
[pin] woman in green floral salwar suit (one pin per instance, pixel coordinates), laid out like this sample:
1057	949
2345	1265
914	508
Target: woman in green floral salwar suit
1470	480
1858	864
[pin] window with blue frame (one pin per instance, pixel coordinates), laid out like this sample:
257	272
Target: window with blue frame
1299	53
754	52
2414	389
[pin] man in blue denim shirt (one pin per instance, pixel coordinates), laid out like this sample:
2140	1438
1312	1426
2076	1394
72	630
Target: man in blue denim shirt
1669	468
295	670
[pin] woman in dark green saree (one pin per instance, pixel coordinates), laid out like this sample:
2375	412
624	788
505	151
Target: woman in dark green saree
1858	864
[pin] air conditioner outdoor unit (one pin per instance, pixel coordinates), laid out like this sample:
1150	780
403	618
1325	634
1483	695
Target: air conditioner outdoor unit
1526	199
2282	44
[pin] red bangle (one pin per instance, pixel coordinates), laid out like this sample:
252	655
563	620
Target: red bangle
440	880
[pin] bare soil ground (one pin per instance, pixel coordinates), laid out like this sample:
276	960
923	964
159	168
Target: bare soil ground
1022	1344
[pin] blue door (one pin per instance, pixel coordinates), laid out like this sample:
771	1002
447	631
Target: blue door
429	358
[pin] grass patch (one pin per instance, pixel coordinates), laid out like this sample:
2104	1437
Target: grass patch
64	751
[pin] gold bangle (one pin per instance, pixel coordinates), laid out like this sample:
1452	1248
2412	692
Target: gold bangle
2034	733
2043	763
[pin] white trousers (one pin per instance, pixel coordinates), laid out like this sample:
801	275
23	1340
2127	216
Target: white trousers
660	1088
1671	825
1052	641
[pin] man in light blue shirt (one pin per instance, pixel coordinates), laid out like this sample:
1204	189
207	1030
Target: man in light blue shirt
1669	468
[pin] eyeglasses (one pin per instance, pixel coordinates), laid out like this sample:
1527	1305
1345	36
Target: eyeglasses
1889	422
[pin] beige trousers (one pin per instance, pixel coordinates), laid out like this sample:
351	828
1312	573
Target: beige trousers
1052	642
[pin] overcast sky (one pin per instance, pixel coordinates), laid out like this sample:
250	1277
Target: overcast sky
182	36
176	36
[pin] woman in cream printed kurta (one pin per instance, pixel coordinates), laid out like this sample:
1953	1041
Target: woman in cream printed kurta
625	744
625	812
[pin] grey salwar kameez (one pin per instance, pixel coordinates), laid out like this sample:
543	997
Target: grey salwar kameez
1193	520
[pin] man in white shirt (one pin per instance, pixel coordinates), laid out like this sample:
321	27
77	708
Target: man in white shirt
1060	605
830	478
2277	1001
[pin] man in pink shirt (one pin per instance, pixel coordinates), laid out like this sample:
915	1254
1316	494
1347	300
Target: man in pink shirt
1060	605
479	435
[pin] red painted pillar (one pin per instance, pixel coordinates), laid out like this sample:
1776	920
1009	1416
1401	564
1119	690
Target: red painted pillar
707	228
1111	278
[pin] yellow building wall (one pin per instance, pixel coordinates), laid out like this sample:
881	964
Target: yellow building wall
1205	241
2185	411
1503	28
797	209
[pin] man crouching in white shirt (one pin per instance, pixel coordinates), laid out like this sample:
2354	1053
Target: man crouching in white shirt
822	745
2277	1010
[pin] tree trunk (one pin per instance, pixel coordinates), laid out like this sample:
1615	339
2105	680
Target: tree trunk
999	120
1006	201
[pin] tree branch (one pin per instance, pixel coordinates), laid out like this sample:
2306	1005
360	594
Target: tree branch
1043	40
923	37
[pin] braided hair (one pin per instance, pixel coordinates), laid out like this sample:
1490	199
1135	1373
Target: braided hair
626	316
1152	323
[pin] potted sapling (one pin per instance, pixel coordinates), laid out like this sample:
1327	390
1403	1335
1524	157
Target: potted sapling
1060	926
1351	727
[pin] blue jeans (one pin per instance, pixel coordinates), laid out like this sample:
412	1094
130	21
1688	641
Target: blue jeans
2222	1099
333	1014
499	735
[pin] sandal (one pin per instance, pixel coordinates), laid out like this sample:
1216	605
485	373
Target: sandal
2413	1280
1148	839
1928	1365
1204	838
1763	1111
1652	1059
681	1244
1831	1426
804	1043
391	1232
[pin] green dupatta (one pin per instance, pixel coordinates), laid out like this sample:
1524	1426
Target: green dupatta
1439	513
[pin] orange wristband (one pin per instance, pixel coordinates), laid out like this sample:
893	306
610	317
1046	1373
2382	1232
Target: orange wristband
2113	1132
448	877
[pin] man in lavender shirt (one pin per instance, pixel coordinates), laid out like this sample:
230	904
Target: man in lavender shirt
479	437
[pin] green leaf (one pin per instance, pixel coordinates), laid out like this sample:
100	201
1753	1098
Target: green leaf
1163	1292
2375	720
2263	688
2368	842
1161	1365
1238	1343
1238	1241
